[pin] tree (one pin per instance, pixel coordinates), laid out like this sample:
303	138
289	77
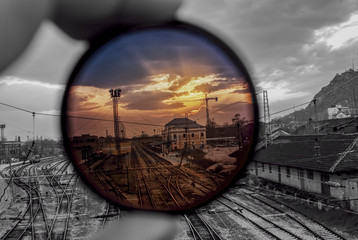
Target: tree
239	122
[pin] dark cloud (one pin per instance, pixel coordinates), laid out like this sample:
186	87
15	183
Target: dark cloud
149	101
134	58
222	84
245	90
278	39
80	103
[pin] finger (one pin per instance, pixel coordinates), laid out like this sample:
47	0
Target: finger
84	19
19	20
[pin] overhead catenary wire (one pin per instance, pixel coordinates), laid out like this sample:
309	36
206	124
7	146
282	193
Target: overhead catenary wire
229	105
86	123
77	117
315	99
15	126
284	110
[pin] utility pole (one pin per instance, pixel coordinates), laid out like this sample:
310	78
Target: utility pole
355	102
208	122
186	129
268	131
115	95
239	124
315	109
315	115
107	140
2	127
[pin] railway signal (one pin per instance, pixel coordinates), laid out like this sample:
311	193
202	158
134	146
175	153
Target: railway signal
115	95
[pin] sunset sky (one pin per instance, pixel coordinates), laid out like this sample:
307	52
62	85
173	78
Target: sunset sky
162	74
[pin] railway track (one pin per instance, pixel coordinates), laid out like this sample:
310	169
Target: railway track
143	191
60	221
200	228
182	174
316	229
112	213
34	222
196	185
174	196
105	181
34	212
263	224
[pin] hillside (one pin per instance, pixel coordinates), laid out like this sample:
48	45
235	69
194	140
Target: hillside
338	92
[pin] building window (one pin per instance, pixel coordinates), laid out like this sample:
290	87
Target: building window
175	136
192	135
184	135
263	167
270	168
310	174
202	134
288	172
300	173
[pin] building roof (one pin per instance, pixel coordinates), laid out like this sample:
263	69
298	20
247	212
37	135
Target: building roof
183	123
299	151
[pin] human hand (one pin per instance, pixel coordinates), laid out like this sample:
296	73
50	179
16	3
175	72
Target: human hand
141	226
81	19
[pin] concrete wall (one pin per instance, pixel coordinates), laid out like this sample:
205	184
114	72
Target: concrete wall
293	180
342	187
352	192
338	192
313	185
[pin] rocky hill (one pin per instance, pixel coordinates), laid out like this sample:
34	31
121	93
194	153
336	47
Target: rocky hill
338	92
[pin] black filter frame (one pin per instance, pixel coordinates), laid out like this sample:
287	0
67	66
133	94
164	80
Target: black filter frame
107	36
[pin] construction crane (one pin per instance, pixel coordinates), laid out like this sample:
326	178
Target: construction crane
206	99
208	122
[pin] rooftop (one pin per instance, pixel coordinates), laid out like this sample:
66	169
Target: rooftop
299	151
183	123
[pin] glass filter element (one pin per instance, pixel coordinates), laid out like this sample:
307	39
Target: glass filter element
160	118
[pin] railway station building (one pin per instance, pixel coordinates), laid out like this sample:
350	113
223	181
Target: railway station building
181	131
323	165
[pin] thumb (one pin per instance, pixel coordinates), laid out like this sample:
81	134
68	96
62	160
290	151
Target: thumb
141	226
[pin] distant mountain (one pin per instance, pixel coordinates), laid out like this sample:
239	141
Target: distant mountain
338	92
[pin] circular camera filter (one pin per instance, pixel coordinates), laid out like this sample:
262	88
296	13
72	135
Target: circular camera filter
159	117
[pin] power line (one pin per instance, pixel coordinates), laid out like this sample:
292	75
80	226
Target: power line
77	117
94	124
284	110
95	114
11	106
229	105
14	126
